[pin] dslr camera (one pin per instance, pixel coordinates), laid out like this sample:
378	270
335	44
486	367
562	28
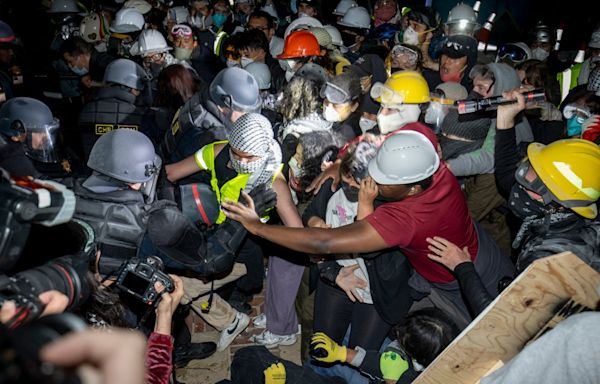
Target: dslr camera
138	277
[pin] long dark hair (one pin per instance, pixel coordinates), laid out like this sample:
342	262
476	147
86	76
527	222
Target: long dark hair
176	85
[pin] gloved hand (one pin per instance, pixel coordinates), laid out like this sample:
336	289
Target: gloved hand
275	374
264	198
324	349
392	365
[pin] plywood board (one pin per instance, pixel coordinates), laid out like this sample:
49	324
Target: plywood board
517	315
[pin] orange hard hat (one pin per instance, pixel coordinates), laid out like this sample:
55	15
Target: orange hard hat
300	44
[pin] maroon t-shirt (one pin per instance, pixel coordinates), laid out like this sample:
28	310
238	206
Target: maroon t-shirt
439	211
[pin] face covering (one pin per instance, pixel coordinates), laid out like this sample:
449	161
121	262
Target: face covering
245	61
574	126
302	14
183	54
366	124
407	113
330	114
295	167
232	63
539	54
350	192
219	19
348	39
454	77
79	71
522	205
155	69
247	168
410	36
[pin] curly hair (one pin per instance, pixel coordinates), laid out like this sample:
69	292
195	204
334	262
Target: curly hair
300	99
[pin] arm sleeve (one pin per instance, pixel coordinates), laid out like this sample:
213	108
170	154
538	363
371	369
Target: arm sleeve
472	287
477	162
506	157
159	358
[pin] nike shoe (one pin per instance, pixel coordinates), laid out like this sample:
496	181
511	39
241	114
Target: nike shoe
271	340
184	353
236	327
260	321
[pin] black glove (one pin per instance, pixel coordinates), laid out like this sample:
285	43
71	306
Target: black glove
264	198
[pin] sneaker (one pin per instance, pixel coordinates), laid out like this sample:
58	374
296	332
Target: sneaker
236	327
260	321
271	340
184	353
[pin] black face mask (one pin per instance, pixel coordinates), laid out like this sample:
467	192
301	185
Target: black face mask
348	38
522	205
350	192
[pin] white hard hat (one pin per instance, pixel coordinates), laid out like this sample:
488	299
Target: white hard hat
151	41
462	20
261	74
336	37
356	17
93	28
128	20
343	6
141	5
303	22
404	158
64	6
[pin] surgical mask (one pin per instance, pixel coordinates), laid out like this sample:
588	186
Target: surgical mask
101	47
350	192
295	167
79	71
232	63
245	61
410	36
539	54
219	19
302	14
574	126
289	74
330	114
183	54
366	124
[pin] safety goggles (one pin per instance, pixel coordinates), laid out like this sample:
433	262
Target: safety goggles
334	94
529	179
232	55
181	30
385	95
572	110
513	52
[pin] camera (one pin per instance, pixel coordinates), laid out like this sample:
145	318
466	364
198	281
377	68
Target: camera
137	277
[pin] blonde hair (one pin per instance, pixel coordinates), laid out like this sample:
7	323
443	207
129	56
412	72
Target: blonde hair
300	99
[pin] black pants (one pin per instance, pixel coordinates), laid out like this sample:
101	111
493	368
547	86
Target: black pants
334	312
249	363
250	254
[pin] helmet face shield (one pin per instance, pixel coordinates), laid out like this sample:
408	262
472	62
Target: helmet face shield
41	142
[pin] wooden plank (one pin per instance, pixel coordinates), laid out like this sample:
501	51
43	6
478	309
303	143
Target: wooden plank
511	320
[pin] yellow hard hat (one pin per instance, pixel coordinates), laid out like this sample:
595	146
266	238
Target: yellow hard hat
570	169
403	87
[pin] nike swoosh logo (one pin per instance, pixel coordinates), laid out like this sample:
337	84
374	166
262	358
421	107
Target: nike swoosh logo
237	321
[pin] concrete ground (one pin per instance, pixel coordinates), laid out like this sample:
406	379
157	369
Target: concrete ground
216	368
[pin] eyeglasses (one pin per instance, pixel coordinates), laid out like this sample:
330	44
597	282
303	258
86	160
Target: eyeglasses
513	52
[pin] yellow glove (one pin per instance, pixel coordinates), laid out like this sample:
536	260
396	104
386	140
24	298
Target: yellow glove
275	374
324	349
392	365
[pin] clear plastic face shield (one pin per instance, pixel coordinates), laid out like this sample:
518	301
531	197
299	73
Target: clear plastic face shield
41	142
404	58
437	110
461	27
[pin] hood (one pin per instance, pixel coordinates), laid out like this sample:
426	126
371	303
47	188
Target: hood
506	78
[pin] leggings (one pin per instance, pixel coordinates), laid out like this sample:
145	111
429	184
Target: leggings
334	312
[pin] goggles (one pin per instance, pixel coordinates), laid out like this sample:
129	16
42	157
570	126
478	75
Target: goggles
528	178
386	95
580	113
513	52
181	30
232	55
334	94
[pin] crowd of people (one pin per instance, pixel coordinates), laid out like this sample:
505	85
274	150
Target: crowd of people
383	170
